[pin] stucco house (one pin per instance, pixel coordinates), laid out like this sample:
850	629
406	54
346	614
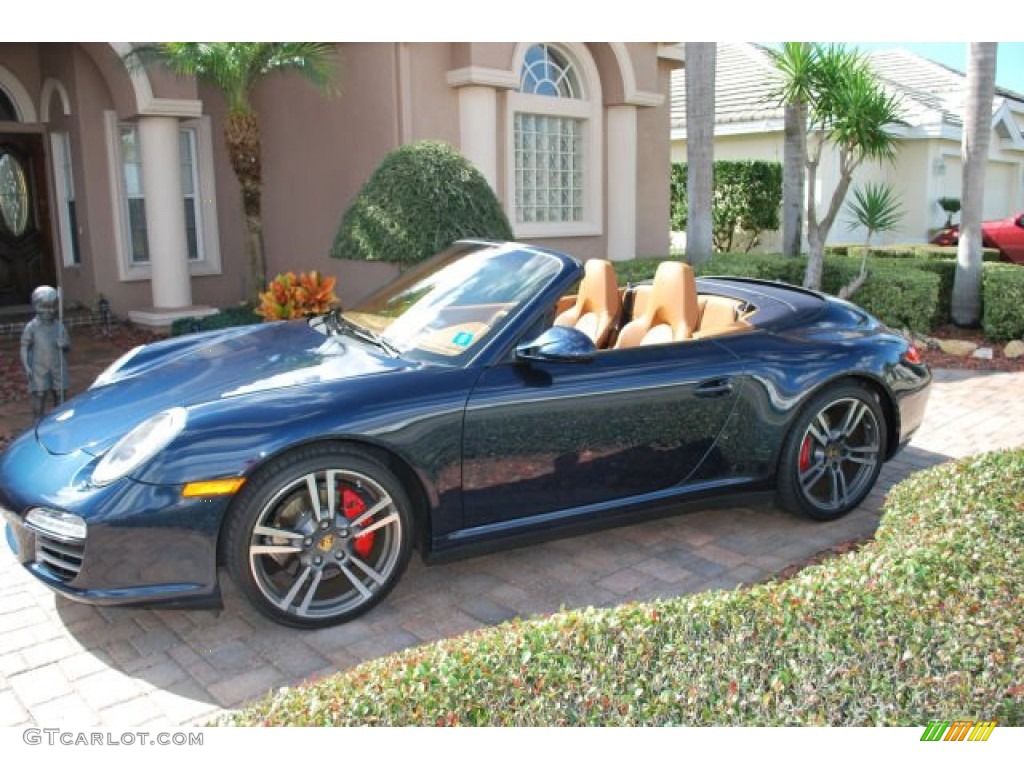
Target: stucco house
115	181
749	126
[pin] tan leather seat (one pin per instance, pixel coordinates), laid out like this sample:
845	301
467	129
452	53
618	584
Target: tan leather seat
671	312
719	315
597	304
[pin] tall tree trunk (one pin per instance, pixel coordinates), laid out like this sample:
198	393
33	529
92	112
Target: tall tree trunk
242	137
700	149
794	159
981	78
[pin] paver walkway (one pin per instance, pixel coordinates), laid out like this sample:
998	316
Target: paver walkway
64	664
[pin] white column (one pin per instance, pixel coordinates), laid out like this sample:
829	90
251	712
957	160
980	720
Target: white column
478	129
622	138
165	212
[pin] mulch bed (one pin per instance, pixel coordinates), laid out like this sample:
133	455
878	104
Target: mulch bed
938	359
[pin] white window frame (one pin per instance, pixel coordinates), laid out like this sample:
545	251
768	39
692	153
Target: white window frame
64	187
589	111
209	261
195	198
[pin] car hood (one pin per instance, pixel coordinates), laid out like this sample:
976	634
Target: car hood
206	367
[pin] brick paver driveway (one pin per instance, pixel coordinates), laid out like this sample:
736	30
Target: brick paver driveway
70	665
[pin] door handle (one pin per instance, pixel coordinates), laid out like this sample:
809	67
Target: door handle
714	388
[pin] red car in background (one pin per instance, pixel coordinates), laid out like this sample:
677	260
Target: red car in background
1007	235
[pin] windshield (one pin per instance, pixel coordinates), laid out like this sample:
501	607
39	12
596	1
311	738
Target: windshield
444	308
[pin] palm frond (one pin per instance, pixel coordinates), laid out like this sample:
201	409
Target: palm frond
236	67
875	207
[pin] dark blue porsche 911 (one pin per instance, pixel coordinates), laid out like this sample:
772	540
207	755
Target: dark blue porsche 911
496	393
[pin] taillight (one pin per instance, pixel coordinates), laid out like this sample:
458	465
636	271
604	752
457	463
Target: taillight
912	355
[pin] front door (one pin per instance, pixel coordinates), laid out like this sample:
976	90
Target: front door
26	257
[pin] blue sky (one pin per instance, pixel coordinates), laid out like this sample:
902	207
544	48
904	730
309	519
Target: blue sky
1009	62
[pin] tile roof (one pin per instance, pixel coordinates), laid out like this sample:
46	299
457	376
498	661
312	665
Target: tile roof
932	94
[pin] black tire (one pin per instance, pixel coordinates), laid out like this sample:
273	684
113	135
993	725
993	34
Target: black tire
833	453
331	559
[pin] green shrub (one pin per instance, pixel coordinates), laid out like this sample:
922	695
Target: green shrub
228	317
896	292
949	252
839	249
747	197
678	210
421	199
922	622
945	269
1003	301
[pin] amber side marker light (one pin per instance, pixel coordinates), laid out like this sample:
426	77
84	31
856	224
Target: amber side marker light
912	355
213	487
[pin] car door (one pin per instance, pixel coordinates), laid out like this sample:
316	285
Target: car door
1012	240
541	437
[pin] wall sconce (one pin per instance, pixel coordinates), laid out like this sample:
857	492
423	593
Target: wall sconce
940	166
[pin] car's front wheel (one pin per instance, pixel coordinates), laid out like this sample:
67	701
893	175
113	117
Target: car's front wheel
319	536
833	454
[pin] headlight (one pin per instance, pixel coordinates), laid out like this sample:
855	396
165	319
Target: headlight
139	445
114	367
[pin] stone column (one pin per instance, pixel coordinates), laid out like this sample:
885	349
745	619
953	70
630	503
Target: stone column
622	180
478	129
165	212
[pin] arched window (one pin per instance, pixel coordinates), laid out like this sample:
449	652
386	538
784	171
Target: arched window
555	177
548	72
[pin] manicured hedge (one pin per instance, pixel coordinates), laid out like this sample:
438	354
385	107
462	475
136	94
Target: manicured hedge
898	296
922	622
905	251
896	292
1003	301
226	318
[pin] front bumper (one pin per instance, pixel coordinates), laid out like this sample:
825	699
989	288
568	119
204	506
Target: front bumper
145	545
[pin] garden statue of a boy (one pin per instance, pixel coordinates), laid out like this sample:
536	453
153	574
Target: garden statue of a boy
43	344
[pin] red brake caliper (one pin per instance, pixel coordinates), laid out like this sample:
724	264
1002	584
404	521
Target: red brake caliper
353	506
805	454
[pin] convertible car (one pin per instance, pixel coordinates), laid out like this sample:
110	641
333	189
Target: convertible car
1006	235
496	393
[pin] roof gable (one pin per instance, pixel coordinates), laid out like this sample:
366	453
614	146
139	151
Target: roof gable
931	93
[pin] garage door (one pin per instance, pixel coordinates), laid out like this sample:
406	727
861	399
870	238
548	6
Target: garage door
998	190
999	199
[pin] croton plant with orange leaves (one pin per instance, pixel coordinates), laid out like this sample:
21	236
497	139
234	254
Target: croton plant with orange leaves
289	296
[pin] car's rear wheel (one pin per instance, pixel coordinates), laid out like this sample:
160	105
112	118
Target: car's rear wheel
319	536
833	454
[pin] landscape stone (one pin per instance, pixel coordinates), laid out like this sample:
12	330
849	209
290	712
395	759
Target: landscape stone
957	347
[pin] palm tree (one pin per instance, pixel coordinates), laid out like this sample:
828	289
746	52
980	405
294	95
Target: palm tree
700	149
794	61
847	109
235	69
981	78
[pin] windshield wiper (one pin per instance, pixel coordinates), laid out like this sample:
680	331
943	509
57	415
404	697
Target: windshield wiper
342	324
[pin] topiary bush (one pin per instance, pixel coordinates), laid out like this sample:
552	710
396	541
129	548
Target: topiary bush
1002	288
421	199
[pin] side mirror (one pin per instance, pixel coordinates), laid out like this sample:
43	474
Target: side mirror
559	344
